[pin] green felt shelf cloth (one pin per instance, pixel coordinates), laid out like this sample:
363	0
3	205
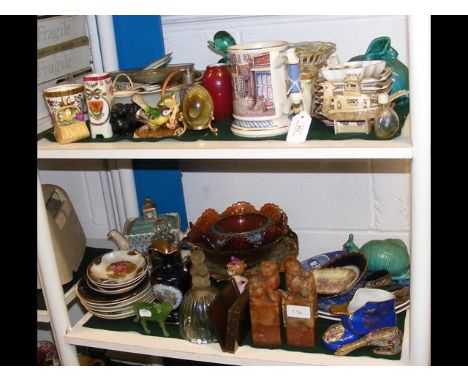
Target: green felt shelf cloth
317	131
127	324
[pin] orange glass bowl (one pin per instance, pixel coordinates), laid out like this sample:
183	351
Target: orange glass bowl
241	231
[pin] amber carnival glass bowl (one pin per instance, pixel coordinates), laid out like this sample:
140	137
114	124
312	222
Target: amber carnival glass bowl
241	231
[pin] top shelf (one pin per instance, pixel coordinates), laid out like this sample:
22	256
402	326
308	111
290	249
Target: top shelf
398	148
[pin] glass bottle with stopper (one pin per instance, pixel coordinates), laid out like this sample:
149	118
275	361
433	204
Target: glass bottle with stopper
194	322
386	121
149	209
188	79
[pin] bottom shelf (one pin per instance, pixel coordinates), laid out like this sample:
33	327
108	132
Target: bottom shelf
133	342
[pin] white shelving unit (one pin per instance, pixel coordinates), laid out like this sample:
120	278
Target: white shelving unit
413	145
43	315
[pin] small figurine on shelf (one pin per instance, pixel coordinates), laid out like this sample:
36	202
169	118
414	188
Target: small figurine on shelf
236	266
299	304
162	120
265	300
152	311
350	109
149	210
386	341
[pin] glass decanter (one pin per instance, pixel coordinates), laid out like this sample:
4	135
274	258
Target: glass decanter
386	121
194	322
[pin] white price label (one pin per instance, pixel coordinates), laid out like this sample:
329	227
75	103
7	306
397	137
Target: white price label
144	313
299	127
297	311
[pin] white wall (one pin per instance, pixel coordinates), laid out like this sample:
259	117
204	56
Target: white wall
324	200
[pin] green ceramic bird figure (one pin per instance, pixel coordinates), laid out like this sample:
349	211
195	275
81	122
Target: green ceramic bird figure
164	114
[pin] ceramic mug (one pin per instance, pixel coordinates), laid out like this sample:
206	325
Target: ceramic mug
99	99
59	96
260	87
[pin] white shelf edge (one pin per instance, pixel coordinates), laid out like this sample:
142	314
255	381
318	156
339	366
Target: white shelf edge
397	148
177	348
70	295
43	316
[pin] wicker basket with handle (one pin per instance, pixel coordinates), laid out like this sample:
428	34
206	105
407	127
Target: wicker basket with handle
314	53
124	92
70	130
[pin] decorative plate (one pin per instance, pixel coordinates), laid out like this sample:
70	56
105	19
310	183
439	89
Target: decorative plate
117	267
325	302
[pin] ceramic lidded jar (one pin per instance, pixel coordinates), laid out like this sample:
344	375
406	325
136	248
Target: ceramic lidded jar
217	80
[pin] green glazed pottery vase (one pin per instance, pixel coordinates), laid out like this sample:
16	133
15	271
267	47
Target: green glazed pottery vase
380	49
389	254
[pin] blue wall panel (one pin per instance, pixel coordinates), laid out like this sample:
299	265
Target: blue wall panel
139	42
162	182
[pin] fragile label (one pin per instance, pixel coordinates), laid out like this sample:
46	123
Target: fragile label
297	311
299	128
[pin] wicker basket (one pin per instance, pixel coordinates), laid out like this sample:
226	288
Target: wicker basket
70	130
314	53
120	91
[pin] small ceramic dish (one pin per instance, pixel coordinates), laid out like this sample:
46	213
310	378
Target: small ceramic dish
117	267
353	261
92	297
377	279
362	69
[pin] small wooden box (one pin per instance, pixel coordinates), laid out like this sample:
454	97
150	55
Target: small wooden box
230	316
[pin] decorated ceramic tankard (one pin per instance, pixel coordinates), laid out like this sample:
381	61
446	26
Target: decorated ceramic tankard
260	87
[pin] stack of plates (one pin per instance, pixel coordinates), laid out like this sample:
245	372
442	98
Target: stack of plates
113	283
372	86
